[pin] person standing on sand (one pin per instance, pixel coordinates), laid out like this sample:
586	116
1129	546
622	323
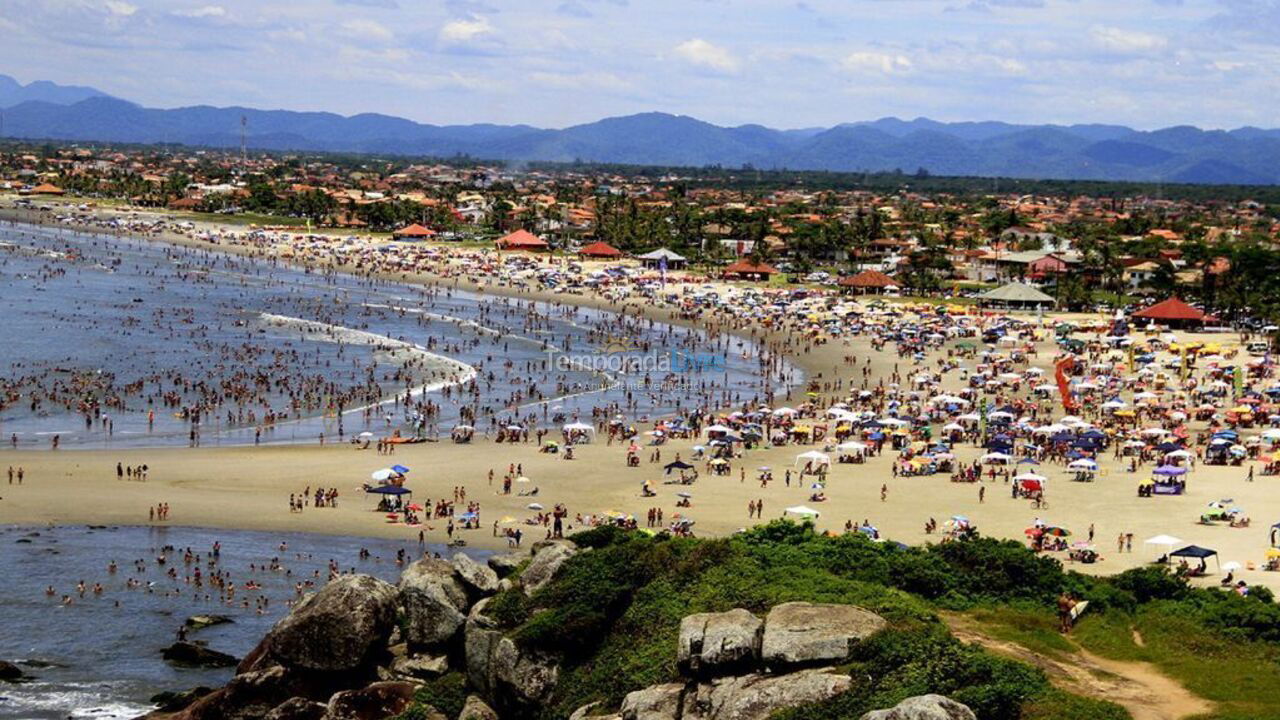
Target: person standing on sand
982	494
884	492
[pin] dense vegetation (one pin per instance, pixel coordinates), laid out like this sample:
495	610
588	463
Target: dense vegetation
614	613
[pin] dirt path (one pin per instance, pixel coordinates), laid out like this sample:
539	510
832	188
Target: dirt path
1139	687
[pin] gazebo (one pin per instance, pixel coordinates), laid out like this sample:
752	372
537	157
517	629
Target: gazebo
1172	312
414	232
1016	295
867	281
654	259
600	250
522	240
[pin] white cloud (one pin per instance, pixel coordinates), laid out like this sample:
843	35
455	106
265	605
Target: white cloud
207	11
886	63
464	31
1129	42
367	30
703	54
121	8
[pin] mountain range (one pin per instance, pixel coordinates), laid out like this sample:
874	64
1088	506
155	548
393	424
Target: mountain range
1183	154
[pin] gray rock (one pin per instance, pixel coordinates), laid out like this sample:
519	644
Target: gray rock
719	643
799	633
199	622
378	701
481	579
476	614
544	566
924	707
756	697
657	702
478	653
434	600
194	655
297	708
421	667
507	563
335	629
477	709
523	677
10	672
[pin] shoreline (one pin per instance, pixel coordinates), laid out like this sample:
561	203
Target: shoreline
247	488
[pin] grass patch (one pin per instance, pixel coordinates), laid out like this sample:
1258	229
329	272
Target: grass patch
1241	676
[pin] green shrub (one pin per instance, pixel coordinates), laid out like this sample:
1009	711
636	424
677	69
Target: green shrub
447	693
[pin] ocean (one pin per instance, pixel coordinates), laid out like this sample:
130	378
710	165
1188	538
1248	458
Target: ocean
99	656
114	342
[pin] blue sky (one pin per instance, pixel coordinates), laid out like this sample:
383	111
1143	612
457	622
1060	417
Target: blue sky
552	63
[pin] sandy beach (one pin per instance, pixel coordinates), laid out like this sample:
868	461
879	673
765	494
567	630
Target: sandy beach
249	488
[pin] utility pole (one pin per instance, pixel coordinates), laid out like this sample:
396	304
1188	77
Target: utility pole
244	163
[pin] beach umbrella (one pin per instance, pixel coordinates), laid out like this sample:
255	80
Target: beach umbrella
522	479
400	469
382	475
1057	531
685	494
534	506
366	434
507	519
1163	540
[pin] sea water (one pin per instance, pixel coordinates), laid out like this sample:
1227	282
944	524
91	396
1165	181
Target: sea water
86	316
99	656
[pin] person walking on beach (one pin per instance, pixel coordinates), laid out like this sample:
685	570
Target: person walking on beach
884	492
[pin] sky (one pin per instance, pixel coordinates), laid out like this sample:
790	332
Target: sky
784	63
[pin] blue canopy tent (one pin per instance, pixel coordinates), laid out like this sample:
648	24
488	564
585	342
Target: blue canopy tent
389	490
1196	552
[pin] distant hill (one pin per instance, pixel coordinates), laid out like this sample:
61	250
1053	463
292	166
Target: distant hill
13	92
1079	152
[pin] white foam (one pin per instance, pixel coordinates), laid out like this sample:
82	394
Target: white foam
460	372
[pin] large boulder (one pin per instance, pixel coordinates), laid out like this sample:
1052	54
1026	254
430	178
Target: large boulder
924	707
435	602
546	562
248	696
523	678
757	697
719	643
799	633
195	655
478	646
378	701
657	702
297	708
337	629
477	709
506	563
481	579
